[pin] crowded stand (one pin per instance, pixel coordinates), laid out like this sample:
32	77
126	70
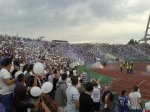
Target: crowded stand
144	47
123	51
36	76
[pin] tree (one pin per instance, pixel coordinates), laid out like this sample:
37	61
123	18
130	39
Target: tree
132	42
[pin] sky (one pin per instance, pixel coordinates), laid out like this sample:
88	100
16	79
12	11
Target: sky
94	21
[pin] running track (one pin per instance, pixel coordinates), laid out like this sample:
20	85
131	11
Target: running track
126	81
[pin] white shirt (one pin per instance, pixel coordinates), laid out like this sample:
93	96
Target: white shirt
68	81
147	106
72	95
133	98
5	89
96	94
50	78
21	66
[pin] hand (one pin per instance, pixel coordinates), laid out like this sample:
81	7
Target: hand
36	76
15	79
91	80
105	106
99	79
36	104
43	94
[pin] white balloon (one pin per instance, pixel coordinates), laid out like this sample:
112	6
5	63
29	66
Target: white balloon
38	68
35	91
47	87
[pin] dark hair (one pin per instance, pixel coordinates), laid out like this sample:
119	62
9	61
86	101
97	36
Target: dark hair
30	81
30	67
25	67
20	95
13	73
89	86
94	83
16	63
81	81
55	71
64	76
74	80
6	61
20	77
105	93
123	92
135	88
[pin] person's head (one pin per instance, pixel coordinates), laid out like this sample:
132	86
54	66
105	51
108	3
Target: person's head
124	93
95	83
16	63
89	87
80	81
55	71
20	94
7	63
30	81
25	67
64	76
21	78
135	89
74	80
108	87
30	68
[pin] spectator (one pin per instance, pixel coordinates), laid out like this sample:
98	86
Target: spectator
123	100
96	95
2	108
29	73
20	96
55	80
135	99
73	96
84	77
6	82
60	98
107	99
86	102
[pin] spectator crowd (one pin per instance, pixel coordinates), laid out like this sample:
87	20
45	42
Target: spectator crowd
71	91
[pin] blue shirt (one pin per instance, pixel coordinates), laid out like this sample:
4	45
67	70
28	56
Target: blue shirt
123	100
2	108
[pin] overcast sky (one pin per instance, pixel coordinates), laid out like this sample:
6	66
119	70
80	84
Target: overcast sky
103	21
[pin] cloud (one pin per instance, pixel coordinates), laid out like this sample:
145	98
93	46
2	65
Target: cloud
75	20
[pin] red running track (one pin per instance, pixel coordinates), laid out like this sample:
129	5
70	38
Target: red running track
126	81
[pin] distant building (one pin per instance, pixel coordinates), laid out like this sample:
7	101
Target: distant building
59	43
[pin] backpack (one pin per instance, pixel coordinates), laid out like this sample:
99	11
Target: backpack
105	93
49	104
116	107
111	97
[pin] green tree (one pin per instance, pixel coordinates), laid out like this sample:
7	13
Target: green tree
132	42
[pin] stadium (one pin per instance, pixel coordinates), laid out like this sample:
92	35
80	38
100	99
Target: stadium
97	60
85	62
